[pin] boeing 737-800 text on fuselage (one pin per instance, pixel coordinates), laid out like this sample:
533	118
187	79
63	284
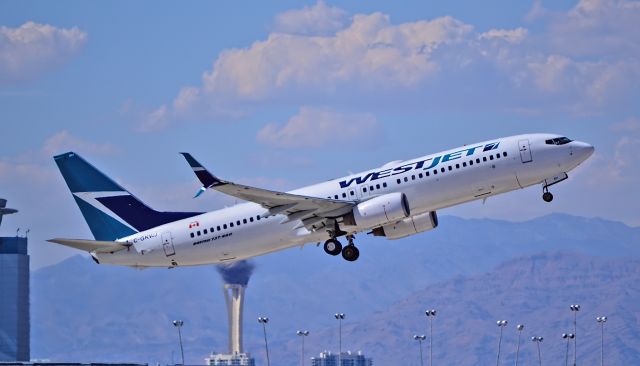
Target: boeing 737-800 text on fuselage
395	200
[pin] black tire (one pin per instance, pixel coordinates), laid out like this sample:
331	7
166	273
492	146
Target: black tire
547	196
332	247
350	253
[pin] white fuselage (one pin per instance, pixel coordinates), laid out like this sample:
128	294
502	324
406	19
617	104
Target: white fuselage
456	176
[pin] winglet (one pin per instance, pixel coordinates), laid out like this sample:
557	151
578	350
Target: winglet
207	179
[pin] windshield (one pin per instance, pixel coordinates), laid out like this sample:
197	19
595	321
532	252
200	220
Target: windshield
558	141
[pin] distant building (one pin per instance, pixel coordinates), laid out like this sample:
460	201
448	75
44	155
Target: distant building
347	359
14	299
238	359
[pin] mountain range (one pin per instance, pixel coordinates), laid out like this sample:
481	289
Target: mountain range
473	271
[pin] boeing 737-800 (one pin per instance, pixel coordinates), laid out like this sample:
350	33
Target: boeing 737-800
395	200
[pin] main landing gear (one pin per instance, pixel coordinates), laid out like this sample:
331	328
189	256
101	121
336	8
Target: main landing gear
333	246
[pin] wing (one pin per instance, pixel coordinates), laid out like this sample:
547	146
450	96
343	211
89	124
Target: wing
91	245
297	207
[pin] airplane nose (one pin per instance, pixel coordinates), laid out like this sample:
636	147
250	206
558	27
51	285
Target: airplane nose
583	150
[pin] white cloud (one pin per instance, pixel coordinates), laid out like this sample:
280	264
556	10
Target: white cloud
319	19
583	60
508	35
315	127
64	141
32	48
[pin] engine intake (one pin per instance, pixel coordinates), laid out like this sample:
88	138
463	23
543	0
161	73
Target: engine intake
409	226
379	211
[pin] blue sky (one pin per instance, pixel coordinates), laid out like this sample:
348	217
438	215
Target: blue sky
285	94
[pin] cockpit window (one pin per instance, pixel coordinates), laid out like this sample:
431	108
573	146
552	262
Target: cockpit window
558	141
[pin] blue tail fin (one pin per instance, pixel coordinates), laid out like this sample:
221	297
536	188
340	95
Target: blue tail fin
110	211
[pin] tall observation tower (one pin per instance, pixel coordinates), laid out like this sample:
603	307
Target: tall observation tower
14	295
235	277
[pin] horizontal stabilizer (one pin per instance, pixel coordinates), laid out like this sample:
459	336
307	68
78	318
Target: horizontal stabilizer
96	246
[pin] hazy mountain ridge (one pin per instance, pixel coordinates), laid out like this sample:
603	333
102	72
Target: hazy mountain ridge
80	309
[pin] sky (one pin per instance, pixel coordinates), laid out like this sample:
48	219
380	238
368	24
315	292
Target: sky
285	94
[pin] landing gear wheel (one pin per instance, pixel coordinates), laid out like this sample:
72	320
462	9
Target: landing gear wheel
547	196
332	247
350	253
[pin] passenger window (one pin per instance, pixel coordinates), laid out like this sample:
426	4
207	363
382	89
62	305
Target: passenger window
192	235
204	231
244	221
498	156
464	164
484	158
198	233
224	226
398	180
504	154
420	175
211	230
231	224
352	193
478	161
413	177
364	189
377	186
442	169
450	168
490	157
251	219
384	184
406	179
344	195
435	171
457	166
470	162
426	173
371	188
238	222
258	217
335	196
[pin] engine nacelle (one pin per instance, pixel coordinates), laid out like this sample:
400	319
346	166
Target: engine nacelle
379	211
409	226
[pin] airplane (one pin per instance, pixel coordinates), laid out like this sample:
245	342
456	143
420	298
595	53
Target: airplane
395	200
4	210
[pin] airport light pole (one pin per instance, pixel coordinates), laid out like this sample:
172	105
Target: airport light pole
601	320
178	324
519	327
264	321
430	315
575	308
303	334
501	324
420	338
538	340
567	336
340	318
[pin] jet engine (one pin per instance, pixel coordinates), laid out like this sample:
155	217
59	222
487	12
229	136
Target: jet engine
379	210
408	226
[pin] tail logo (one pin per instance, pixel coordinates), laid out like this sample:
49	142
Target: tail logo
92	199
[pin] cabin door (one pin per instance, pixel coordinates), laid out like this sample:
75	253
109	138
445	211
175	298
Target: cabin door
525	151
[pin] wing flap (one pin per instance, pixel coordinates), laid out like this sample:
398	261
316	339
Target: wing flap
91	246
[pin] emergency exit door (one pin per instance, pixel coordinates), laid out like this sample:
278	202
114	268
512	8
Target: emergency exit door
525	151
